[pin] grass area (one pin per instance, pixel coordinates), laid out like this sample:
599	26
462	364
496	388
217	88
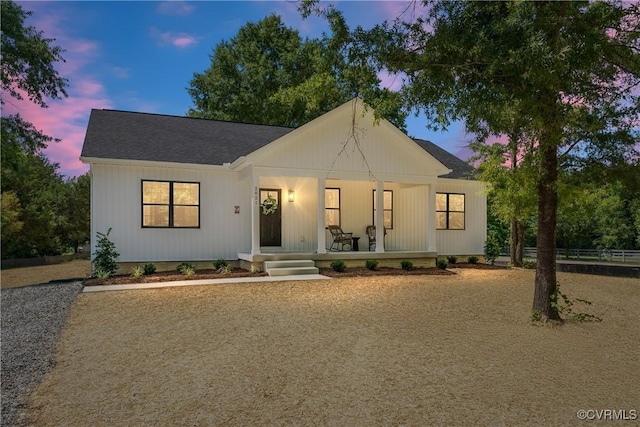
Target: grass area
392	350
25	276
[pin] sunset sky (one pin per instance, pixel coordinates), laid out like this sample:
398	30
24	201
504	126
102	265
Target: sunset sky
140	56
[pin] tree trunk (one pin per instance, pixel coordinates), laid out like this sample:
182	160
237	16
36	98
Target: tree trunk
545	281
516	243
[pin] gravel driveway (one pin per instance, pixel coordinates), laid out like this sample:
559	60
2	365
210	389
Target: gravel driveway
32	320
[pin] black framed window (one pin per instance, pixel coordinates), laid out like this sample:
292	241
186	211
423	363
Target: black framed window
331	206
170	204
450	211
387	208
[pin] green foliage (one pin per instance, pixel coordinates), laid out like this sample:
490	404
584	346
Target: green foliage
406	265
372	264
28	59
492	248
217	264
185	265
102	274
188	270
563	305
137	272
338	265
105	258
530	265
149	269
224	269
441	263
452	259
54	214
472	260
268	74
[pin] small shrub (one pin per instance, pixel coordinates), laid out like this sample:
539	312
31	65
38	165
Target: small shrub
255	269
442	264
105	256
224	269
406	265
472	260
371	264
188	271
219	263
102	274
137	272
149	269
184	265
531	265
338	265
452	259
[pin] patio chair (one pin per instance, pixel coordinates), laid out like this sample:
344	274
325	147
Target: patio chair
340	238
371	234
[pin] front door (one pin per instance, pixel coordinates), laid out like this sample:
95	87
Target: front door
271	220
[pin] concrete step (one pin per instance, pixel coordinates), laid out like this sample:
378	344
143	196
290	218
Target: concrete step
290	267
292	271
289	263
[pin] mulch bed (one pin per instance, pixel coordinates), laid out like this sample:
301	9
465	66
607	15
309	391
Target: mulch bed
170	276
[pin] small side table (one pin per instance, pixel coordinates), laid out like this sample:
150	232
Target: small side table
354	246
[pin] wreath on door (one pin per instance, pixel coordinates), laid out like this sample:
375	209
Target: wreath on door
269	205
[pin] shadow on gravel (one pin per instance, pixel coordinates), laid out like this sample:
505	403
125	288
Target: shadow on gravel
32	319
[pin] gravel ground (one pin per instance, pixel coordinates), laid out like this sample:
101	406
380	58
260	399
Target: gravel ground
32	320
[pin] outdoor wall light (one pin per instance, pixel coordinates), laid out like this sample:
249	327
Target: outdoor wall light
292	196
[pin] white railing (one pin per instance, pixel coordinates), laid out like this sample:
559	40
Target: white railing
611	255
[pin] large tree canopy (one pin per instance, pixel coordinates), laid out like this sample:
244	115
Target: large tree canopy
570	69
268	74
42	214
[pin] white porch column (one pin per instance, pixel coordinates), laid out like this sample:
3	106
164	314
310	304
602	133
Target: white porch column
255	215
431	224
380	216
322	239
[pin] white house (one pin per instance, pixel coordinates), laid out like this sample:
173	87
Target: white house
183	189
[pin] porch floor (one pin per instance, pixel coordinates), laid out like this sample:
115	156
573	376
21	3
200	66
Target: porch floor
389	256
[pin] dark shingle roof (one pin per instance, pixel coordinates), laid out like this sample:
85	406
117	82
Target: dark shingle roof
460	168
154	137
128	135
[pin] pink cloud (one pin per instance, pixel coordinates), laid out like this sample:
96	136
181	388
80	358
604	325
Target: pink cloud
180	40
66	120
175	8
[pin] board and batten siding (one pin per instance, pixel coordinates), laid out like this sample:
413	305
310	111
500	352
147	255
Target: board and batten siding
469	241
326	145
117	204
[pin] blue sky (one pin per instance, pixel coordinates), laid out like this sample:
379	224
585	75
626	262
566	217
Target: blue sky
140	56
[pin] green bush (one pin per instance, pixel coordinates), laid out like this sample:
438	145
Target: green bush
492	249
219	263
452	259
406	265
442	264
105	256
188	270
184	265
137	272
529	264
224	269
149	269
338	265
472	260
371	264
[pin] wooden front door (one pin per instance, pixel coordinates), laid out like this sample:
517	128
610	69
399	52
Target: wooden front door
271	224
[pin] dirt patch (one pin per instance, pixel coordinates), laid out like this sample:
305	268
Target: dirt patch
393	350
172	276
25	276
